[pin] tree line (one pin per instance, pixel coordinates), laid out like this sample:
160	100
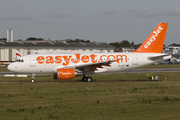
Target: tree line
123	43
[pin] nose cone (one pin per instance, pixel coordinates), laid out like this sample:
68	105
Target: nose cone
12	67
15	67
9	67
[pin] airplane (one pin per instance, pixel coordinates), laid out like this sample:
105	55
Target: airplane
68	66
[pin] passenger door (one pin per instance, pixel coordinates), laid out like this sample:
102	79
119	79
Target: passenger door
32	61
135	59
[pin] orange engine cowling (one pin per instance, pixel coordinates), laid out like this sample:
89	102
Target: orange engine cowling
64	74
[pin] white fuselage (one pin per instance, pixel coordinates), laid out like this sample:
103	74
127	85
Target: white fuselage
49	63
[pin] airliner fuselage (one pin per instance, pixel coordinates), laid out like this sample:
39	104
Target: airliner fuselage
49	64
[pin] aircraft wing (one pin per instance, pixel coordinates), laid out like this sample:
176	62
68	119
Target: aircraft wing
86	66
105	63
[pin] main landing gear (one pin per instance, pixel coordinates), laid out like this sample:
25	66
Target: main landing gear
32	78
86	79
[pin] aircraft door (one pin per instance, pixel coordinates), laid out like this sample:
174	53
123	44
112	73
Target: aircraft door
135	59
32	61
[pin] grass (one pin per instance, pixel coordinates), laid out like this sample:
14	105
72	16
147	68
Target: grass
125	96
120	96
161	66
3	68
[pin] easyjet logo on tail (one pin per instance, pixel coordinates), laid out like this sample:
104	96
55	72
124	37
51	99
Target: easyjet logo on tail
153	37
65	60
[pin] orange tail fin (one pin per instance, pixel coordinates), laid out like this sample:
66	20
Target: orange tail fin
154	43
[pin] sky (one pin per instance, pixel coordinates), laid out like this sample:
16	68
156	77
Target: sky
95	20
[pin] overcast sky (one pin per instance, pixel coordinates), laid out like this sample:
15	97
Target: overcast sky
94	20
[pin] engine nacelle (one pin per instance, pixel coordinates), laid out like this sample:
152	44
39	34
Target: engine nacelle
65	74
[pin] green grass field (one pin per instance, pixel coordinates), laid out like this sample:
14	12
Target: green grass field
113	96
123	96
3	68
161	66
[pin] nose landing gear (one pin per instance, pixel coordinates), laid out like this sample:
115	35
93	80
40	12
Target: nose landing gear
32	78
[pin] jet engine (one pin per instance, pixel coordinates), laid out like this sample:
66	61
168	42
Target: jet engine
65	74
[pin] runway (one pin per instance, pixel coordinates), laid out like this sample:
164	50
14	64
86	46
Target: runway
129	71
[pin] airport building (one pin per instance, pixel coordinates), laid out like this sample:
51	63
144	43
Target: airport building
8	49
174	51
124	49
171	49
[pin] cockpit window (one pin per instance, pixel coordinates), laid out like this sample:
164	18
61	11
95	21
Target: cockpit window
19	60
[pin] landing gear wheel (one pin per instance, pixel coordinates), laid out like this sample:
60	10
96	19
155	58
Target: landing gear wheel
32	80
89	79
84	79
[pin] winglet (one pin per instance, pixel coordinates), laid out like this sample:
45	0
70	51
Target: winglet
154	43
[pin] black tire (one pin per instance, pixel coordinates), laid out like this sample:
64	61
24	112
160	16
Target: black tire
32	80
84	79
89	79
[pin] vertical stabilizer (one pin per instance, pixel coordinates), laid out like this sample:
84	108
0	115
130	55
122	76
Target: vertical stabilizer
154	43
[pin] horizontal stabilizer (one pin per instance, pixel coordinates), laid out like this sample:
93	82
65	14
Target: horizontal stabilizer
160	57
